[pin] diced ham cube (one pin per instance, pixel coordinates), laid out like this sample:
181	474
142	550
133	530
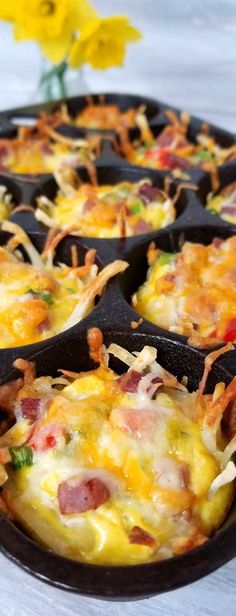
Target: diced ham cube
129	381
77	496
142	227
31	408
138	423
229	210
172	474
148	193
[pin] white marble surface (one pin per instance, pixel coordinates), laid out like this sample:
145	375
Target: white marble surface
187	56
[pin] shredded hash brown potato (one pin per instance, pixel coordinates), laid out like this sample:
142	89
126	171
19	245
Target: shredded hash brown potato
106	211
98	116
40	299
41	149
173	150
192	292
223	203
115	470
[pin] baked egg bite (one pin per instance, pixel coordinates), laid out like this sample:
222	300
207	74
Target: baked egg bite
223	203
39	298
193	291
173	150
116	469
106	211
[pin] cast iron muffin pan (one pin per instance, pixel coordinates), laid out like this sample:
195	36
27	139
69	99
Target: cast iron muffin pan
113	315
10	119
106	174
14	188
224	138
120	582
227	174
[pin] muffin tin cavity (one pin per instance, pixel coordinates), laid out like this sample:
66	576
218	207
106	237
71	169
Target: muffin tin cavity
76	105
170	242
62	255
226	176
109	175
222	137
111	582
10	196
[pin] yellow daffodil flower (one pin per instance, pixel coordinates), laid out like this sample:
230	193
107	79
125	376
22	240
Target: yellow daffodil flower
51	23
102	43
7	10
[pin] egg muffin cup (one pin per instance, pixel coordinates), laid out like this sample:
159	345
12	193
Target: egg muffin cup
120	324
121	582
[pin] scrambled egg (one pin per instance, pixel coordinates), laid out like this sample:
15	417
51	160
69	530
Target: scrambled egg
193	291
40	157
39	301
224	203
148	452
108	211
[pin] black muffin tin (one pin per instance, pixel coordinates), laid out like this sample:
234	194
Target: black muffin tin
9	120
113	315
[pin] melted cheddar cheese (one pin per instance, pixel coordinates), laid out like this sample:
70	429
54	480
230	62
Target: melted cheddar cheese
147	450
42	299
96	116
173	150
105	117
224	203
43	156
109	210
193	291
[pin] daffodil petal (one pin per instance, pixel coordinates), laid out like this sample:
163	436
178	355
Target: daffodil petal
112	53
21	34
54	24
8	10
120	27
76	55
90	29
83	12
56	50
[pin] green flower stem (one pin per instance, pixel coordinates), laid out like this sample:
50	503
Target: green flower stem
52	79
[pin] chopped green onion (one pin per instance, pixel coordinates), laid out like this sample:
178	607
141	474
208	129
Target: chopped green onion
137	207
202	155
44	295
21	456
166	258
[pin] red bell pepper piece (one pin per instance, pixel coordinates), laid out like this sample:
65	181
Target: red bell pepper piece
230	332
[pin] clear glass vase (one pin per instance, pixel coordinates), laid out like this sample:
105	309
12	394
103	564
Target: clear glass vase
59	82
